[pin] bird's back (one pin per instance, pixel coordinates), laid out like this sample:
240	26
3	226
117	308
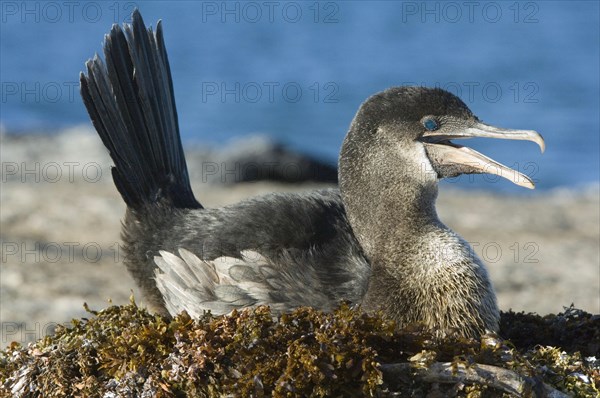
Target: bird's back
284	250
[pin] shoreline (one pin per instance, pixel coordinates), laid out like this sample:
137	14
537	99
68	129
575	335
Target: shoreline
60	239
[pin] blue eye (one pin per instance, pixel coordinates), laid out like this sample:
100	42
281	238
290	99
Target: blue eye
430	124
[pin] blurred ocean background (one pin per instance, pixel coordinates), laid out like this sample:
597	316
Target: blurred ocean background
297	71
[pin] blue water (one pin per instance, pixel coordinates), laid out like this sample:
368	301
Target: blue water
299	70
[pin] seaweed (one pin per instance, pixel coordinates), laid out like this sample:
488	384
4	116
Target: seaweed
125	351
573	330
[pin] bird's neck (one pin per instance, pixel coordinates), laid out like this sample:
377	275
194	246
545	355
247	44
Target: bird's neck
421	271
393	220
389	197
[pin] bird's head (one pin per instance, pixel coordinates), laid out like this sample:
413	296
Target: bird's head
415	127
401	142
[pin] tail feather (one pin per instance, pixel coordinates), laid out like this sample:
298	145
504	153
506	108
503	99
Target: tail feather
132	106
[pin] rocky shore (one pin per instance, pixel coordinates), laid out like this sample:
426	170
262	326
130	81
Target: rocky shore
60	222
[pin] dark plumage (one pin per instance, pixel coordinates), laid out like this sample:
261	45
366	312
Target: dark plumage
376	241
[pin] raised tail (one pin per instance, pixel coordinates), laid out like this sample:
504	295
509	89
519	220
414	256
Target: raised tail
131	104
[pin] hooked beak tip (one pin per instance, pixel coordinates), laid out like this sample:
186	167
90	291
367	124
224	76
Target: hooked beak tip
534	136
542	144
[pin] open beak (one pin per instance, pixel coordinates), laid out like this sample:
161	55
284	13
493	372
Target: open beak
450	160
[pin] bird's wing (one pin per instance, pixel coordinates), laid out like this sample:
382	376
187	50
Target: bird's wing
190	283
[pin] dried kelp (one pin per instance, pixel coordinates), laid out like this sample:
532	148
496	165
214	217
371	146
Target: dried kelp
125	351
